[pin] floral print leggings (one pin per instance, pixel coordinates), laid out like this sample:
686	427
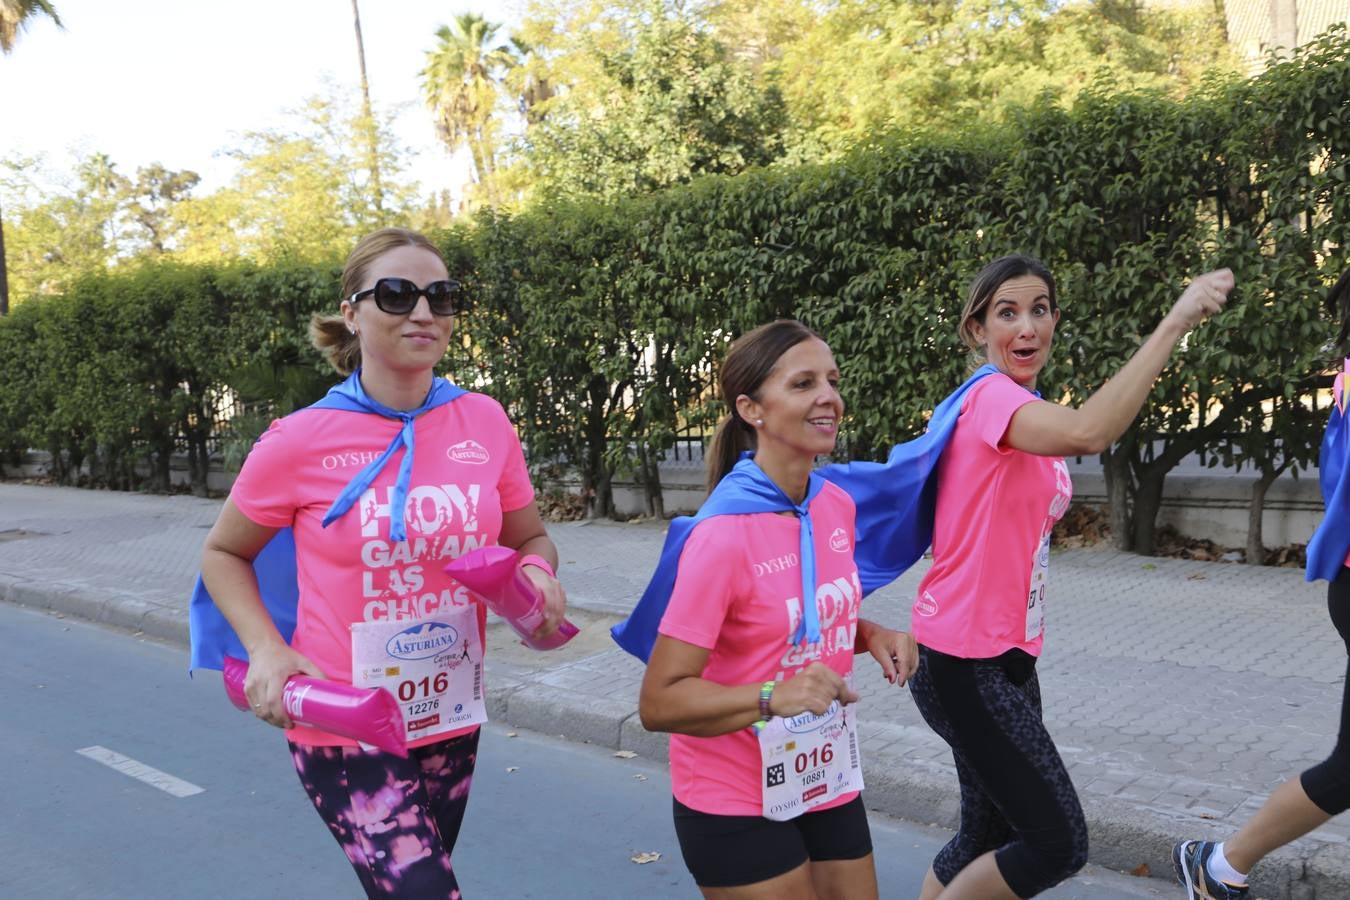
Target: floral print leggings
396	819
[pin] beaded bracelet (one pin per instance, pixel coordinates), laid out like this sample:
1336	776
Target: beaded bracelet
765	695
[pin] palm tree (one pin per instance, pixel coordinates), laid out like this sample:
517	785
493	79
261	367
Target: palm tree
14	16
372	145
460	85
531	82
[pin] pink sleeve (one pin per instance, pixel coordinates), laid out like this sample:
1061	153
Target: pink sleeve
990	408
263	489
514	488
711	566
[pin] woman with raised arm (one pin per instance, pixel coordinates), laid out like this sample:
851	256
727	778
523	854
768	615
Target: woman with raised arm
978	614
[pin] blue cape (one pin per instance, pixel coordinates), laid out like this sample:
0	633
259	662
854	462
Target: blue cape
1331	542
896	502
211	636
897	499
744	490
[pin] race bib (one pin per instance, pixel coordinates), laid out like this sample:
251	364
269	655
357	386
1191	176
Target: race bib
432	666
1040	572
808	760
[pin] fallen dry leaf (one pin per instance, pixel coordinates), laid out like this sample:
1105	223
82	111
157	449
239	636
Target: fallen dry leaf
1196	576
1140	871
624	754
646	856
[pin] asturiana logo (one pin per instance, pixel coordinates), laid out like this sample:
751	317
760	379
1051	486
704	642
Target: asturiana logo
926	605
422	641
809	721
469	451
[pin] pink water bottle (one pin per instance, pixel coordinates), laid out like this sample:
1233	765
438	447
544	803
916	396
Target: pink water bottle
493	573
368	715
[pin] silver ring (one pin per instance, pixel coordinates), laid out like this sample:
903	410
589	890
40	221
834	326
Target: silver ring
257	706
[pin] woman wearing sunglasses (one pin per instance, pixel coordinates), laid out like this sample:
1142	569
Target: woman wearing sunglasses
382	483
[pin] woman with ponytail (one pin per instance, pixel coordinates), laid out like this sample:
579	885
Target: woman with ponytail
369	493
751	663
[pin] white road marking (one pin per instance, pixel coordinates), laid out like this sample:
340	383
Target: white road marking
141	772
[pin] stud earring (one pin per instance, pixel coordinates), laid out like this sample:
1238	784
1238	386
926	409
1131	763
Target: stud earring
759	423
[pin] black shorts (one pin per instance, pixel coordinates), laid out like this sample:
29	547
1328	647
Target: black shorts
730	851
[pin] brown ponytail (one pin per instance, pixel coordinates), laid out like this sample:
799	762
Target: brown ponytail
731	437
341	347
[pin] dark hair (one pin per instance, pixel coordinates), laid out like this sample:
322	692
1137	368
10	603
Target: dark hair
751	358
1338	306
989	280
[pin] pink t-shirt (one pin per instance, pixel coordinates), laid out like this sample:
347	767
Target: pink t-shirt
996	506
468	468
737	595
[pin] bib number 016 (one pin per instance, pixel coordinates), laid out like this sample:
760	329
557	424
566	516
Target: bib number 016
410	690
819	756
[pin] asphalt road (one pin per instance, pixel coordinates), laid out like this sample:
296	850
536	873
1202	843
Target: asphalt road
124	778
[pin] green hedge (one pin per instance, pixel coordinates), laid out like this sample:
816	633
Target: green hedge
600	326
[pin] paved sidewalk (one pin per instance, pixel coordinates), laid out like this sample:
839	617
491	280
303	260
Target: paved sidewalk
1180	693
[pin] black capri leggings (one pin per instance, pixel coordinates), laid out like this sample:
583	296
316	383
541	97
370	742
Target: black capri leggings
1016	796
1328	783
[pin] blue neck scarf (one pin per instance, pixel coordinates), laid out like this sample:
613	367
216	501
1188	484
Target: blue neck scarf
211	635
351	395
896	502
1331	541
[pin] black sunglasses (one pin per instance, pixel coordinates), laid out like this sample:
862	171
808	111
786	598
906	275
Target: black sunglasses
398	296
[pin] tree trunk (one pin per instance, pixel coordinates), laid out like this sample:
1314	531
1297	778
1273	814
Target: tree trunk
372	145
73	465
1116	468
604	496
4	271
198	464
1222	14
1284	26
163	463
1256	550
593	461
1147	502
643	473
651	483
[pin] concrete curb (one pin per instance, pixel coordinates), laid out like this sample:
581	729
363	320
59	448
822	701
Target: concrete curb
1123	835
131	612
